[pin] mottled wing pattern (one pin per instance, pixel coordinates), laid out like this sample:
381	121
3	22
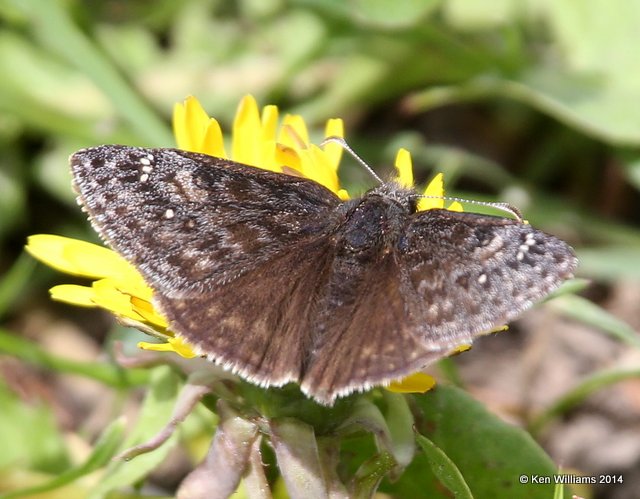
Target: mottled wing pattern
272	277
450	276
190	222
260	324
467	274
367	338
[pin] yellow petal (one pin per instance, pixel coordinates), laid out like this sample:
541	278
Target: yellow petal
246	133
316	166
268	147
109	297
155	347
286	156
435	188
73	294
333	151
182	348
212	141
190	126
414	383
455	206
176	345
343	195
269	123
76	257
179	126
405	168
131	287
499	329
270	157
293	132
459	349
146	310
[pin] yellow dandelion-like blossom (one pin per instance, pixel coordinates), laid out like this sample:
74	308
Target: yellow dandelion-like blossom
257	140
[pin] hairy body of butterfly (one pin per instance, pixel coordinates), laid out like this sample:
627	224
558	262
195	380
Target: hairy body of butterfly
275	278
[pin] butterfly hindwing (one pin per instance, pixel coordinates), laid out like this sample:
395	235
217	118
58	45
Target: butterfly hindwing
260	324
367	337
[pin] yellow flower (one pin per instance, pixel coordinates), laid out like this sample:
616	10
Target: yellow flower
257	140
118	287
414	383
434	191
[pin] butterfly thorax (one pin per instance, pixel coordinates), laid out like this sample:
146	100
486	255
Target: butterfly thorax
372	224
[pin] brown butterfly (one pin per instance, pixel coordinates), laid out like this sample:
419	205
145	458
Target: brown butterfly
275	278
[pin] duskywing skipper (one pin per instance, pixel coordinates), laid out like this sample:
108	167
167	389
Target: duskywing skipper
275	278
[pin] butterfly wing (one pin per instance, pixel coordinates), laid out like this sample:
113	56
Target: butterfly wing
366	337
189	221
469	273
258	325
450	276
233	253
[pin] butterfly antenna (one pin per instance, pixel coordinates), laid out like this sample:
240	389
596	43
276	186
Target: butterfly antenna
342	143
506	207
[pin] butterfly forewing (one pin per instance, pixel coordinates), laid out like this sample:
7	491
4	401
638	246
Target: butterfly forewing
190	221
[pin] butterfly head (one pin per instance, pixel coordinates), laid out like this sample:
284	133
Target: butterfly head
405	198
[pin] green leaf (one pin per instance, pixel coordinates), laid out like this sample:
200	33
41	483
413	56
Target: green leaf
371	472
612	28
585	311
103	372
593	103
400	423
12	194
631	163
156	412
103	451
558	493
444	469
579	101
29	436
591	79
577	394
387	14
610	263
490	454
52	24
296	448
14	282
473	15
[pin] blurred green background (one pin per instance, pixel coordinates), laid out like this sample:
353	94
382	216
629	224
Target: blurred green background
535	103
